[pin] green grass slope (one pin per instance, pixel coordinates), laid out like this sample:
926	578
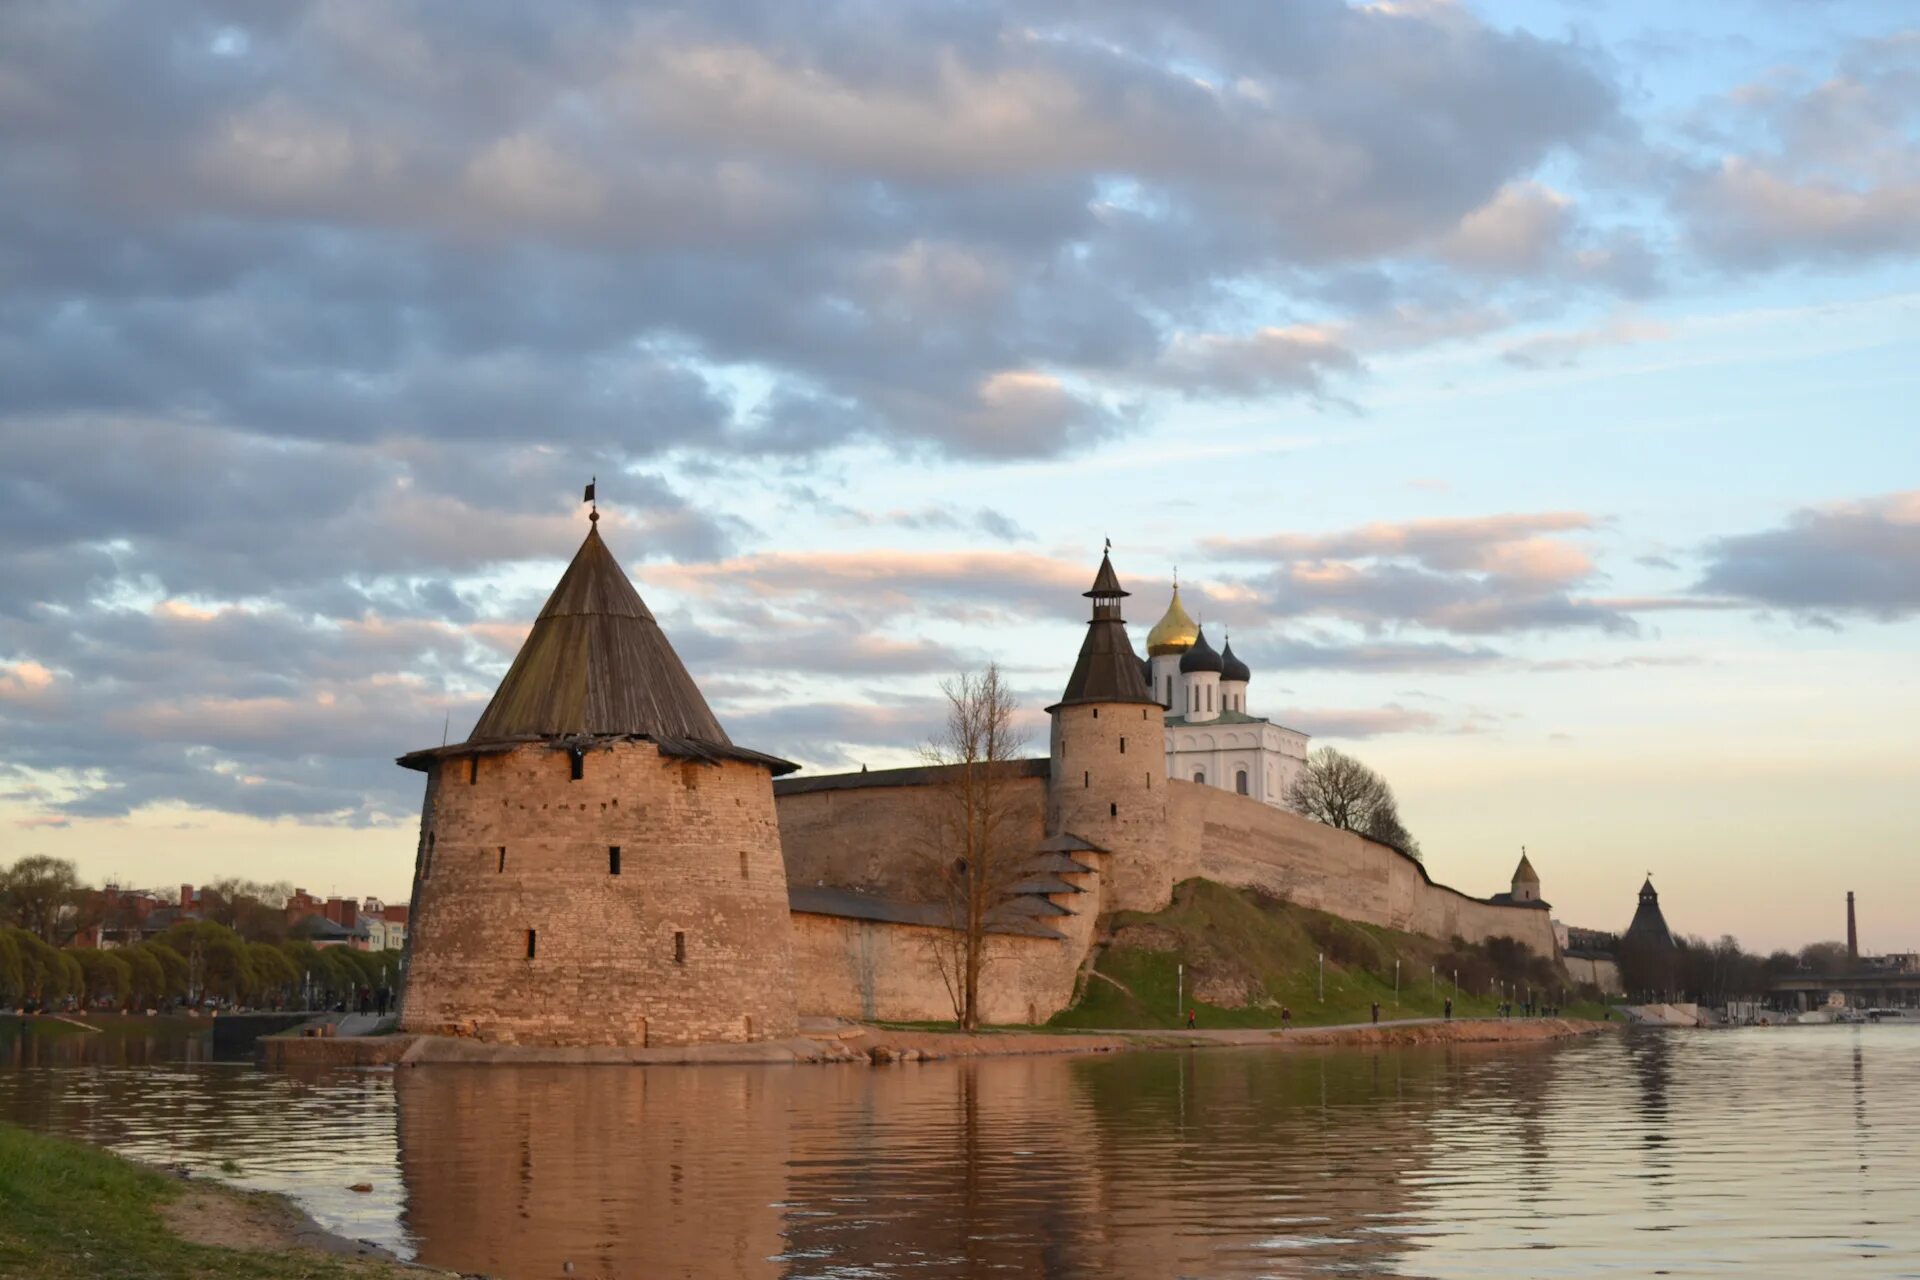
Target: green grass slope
1247	954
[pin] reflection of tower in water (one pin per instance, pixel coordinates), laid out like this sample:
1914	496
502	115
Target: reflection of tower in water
624	1173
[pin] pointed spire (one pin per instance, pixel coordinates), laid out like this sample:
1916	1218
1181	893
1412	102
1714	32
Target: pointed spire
1106	583
1108	670
596	662
1649	927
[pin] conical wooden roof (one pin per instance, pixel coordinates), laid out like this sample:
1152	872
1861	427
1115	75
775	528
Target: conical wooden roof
596	662
1108	669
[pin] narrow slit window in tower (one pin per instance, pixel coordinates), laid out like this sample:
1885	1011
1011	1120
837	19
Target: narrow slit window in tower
533	939
743	864
503	858
1096	713
473	770
1086	779
1113	810
679	947
1123	746
578	761
426	863
613	859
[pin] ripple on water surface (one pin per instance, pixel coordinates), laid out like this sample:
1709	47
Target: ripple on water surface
1783	1152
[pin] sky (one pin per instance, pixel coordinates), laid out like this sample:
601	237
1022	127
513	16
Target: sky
1527	387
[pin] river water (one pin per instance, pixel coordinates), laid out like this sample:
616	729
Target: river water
1791	1152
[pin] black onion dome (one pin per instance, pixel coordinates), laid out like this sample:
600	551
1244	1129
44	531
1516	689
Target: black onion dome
1231	668
1200	657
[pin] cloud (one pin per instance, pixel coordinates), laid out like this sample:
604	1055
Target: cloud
1859	558
1814	171
1567	347
1364	722
1518	231
1475	576
1296	358
965	231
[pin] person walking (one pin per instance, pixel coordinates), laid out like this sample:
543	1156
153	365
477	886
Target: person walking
1190	1021
1449	1009
1286	1017
1376	1013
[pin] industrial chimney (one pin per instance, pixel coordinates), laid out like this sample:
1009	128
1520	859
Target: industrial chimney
1853	936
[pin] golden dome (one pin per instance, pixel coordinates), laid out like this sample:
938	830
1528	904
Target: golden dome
1174	633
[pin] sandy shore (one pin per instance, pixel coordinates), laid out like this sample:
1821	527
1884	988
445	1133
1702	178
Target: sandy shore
828	1040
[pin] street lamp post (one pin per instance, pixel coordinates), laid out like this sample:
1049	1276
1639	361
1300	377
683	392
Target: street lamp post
1396	983
1320	979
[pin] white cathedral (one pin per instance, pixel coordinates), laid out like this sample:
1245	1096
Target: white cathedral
1211	738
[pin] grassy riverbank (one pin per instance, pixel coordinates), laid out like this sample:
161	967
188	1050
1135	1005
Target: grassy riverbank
72	1212
1246	955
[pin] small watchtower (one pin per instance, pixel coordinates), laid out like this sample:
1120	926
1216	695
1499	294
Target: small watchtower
1108	783
1526	882
598	863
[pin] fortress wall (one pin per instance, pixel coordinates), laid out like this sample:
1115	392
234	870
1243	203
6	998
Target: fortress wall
700	857
1235	840
872	836
1599	970
873	969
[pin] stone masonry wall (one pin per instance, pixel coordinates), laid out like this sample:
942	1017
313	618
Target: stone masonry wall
1109	787
1235	840
868	838
870	969
689	943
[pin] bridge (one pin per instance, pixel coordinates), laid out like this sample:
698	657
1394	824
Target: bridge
1864	989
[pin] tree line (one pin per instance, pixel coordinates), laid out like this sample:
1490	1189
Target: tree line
1713	973
192	962
239	952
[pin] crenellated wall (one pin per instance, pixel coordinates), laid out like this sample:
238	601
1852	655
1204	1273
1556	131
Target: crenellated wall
688	943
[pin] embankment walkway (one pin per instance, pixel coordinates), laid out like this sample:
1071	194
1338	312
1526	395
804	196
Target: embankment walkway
832	1040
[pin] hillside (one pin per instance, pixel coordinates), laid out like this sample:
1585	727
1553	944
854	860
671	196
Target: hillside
1247	954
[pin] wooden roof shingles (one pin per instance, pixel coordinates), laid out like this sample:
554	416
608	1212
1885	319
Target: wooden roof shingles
596	664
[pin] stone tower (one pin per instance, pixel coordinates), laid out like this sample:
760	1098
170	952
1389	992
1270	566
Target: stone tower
598	863
1526	882
1108	783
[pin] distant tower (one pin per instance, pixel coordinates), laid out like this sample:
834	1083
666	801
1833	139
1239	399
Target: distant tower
1649	927
598	863
1853	935
1648	954
1108	743
1526	882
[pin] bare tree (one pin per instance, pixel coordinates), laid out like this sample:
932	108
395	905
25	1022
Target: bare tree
971	852
1338	790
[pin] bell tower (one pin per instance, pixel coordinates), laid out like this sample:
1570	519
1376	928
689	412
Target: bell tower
1108	782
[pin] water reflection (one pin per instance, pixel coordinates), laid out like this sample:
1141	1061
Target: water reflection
1767	1152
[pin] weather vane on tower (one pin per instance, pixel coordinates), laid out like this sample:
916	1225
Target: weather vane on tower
593	516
